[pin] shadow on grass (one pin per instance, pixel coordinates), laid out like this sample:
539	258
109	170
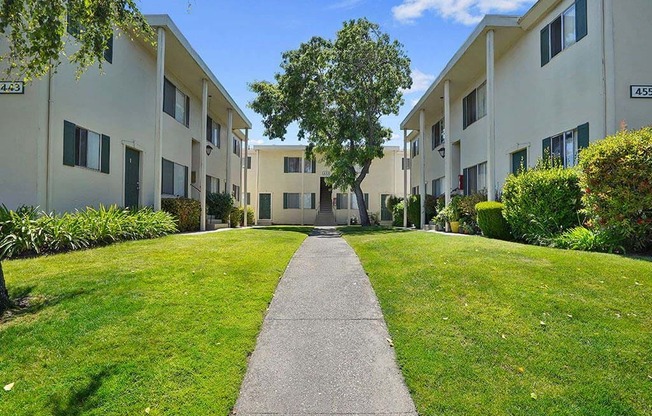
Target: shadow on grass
288	228
26	303
359	230
80	400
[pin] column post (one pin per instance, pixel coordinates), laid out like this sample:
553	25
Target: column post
245	168
158	139
491	119
229	149
405	165
202	154
448	145
422	153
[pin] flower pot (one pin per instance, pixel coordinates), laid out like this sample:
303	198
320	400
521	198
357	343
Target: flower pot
455	226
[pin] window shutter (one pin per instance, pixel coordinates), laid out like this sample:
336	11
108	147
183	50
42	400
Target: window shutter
187	111
583	136
366	201
185	181
169	93
312	201
108	52
209	129
546	147
105	154
581	22
286	163
167	182
314	166
545	45
69	143
285	200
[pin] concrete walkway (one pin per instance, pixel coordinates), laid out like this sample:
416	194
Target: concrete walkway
324	346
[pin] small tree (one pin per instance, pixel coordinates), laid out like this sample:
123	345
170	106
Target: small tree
337	91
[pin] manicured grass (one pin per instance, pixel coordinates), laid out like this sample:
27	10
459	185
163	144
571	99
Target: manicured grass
162	324
485	327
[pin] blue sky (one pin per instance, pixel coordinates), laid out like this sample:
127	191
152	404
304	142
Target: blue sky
242	40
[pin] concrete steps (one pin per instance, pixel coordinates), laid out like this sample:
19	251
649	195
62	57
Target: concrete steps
325	218
213	223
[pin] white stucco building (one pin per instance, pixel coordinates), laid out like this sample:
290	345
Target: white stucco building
139	132
566	73
286	188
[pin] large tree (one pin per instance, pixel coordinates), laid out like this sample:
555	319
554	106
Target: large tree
337	91
35	32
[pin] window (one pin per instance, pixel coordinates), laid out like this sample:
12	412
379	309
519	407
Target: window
415	190
437	187
175	178
236	192
292	165
85	148
405	162
310	166
354	201
291	200
563	148
564	31
437	134
309	201
474	105
176	103
519	161
212	184
341	201
385	213
248	198
248	162
237	147
475	179
414	148
213	132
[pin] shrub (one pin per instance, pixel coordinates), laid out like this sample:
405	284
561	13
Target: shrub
397	214
374	218
392	201
467	212
237	217
220	205
491	220
186	211
414	209
617	182
541	203
581	238
25	232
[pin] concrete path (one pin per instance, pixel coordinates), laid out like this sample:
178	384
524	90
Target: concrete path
324	347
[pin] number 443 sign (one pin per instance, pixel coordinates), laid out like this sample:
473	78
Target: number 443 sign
12	87
641	91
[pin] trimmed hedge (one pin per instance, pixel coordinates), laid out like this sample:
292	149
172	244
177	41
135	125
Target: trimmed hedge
542	203
220	205
491	220
617	182
27	232
236	219
186	211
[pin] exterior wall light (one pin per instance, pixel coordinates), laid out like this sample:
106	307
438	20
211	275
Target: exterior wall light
442	152
209	149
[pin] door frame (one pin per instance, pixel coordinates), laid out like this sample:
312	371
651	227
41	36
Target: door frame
271	206
124	175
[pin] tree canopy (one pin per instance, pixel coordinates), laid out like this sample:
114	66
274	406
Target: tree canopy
337	91
36	32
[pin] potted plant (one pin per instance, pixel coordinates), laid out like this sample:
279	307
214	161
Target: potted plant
454	214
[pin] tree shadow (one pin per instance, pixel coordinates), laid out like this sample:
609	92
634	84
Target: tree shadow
306	230
375	230
25	302
80	399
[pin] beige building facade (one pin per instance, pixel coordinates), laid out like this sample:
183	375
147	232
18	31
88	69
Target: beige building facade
286	188
156	124
565	74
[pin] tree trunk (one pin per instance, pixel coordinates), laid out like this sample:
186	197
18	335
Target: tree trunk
5	303
362	205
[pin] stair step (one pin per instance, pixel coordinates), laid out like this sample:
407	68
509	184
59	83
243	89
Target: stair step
212	226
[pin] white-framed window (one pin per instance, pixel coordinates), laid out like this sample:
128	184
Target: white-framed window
237	146
414	148
354	201
291	200
212	184
236	192
405	163
475	179
176	103
310	166
291	165
88	148
248	162
438	134
213	132
175	179
341	201
563	149
474	105
437	187
309	200
564	31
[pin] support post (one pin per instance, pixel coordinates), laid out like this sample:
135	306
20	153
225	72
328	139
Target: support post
422	154
405	163
202	154
244	181
229	150
448	145
491	119
158	140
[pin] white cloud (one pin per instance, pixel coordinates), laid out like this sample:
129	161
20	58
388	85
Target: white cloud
420	81
346	4
256	142
468	12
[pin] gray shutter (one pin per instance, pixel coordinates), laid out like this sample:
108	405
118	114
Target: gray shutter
285	200
185	182
313	202
187	111
581	21
105	154
209	129
69	143
583	136
545	45
286	165
169	97
167	182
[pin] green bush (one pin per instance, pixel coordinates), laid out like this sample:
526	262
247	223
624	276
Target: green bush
397	214
581	238
187	212
617	182
25	232
220	205
392	201
414	209
236	219
541	203
491	220
467	213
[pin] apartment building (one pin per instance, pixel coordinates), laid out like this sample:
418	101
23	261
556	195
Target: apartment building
156	124
565	74
286	188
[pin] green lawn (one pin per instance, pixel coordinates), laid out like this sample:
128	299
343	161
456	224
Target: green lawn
484	327
163	324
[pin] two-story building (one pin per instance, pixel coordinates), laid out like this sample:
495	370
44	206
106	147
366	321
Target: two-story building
565	74
287	188
155	124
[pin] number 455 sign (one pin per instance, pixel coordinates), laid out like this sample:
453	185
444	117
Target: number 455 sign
12	87
641	91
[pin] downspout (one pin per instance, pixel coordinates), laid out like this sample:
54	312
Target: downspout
405	177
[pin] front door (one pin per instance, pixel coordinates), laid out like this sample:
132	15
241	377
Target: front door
385	213
132	178
265	207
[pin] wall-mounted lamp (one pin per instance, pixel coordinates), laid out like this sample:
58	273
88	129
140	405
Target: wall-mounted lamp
442	152
209	149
